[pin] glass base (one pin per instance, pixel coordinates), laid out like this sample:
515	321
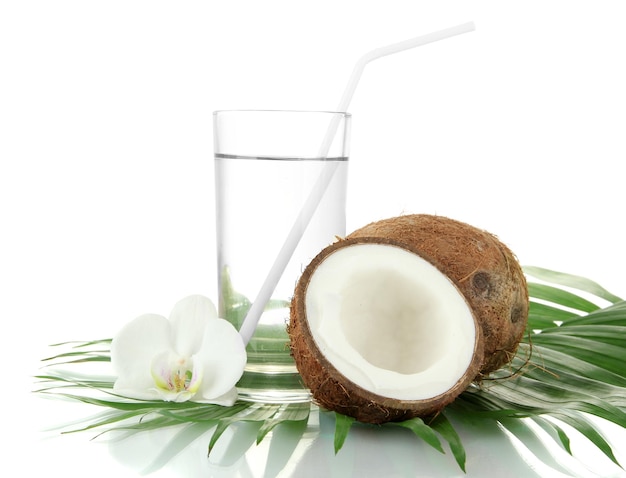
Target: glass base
272	385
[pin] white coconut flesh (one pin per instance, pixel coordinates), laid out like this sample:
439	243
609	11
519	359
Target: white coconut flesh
390	322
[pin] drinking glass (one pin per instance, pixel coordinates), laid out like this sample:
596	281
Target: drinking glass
266	165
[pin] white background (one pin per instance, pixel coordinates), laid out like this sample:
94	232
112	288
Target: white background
106	174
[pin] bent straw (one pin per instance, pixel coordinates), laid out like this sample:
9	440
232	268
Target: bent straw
317	193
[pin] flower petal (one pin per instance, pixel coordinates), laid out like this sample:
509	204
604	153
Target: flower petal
189	318
223	357
134	347
226	400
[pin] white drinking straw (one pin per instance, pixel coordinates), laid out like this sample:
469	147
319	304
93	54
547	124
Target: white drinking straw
317	193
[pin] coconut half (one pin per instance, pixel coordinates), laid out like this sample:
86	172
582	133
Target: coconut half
380	330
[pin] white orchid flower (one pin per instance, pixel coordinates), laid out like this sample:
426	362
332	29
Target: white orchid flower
192	356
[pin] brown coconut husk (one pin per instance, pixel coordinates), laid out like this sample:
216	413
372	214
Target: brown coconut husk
333	391
484	270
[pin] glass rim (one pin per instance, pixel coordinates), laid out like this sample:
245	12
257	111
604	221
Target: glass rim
328	112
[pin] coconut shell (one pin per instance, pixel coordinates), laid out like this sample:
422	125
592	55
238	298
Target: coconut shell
485	272
332	390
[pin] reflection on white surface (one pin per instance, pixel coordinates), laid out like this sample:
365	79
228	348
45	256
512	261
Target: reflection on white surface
294	450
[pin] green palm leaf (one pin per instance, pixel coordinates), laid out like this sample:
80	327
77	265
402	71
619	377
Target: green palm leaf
545	316
570	280
442	426
423	430
343	424
572	363
570	366
563	297
287	413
